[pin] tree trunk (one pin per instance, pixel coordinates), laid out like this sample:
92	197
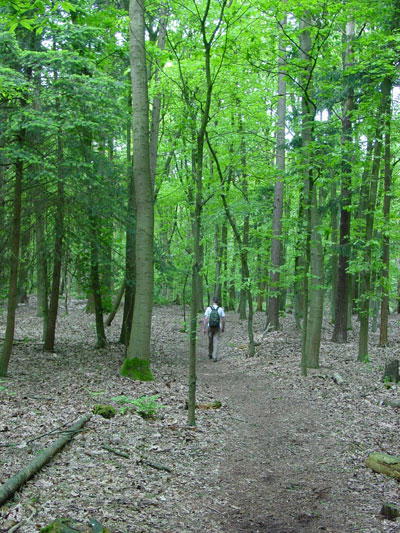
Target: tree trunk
41	258
130	245
383	333
14	261
370	205
218	264
116	304
95	283
315	314
139	343
58	250
23	274
334	247
307	122
342	290
276	242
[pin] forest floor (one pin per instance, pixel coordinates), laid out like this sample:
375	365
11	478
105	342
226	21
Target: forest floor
283	454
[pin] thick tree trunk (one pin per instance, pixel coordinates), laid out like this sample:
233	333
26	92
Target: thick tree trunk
14	262
276	243
139	343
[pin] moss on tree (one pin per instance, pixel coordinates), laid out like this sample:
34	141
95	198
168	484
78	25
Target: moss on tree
138	369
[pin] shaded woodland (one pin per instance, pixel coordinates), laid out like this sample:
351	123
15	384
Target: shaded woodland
156	154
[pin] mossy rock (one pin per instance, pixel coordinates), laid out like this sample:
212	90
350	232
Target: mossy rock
138	369
106	411
64	525
384	463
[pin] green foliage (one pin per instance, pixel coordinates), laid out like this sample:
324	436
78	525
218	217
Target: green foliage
146	406
106	411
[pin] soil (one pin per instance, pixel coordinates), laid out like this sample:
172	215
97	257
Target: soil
283	454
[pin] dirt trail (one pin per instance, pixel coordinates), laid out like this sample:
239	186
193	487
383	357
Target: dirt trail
284	454
284	467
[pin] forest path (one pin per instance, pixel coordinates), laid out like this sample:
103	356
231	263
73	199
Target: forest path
284	454
278	466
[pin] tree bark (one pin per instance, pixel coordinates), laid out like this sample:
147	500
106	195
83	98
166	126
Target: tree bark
276	242
370	204
139	343
116	304
383	331
58	250
342	291
313	340
130	244
41	265
14	262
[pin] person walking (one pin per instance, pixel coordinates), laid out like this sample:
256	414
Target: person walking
214	325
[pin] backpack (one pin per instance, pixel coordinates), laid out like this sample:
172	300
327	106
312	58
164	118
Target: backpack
213	319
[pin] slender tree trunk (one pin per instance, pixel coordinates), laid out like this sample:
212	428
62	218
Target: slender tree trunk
383	333
314	327
334	248
23	274
41	265
58	250
218	264
369	226
156	107
14	261
139	343
276	243
243	298
342	290
116	304
96	284
130	245
224	246
307	120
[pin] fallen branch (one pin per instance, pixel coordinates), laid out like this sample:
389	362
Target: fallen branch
16	481
154	465
116	452
391	403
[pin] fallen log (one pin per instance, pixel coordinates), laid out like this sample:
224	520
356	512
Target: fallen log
391	403
21	477
383	463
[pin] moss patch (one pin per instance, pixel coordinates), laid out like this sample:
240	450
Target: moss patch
106	411
138	369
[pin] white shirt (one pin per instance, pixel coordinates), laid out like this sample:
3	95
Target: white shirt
221	312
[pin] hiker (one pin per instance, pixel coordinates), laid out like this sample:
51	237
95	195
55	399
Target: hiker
214	322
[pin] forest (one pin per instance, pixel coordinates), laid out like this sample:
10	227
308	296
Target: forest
157	154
